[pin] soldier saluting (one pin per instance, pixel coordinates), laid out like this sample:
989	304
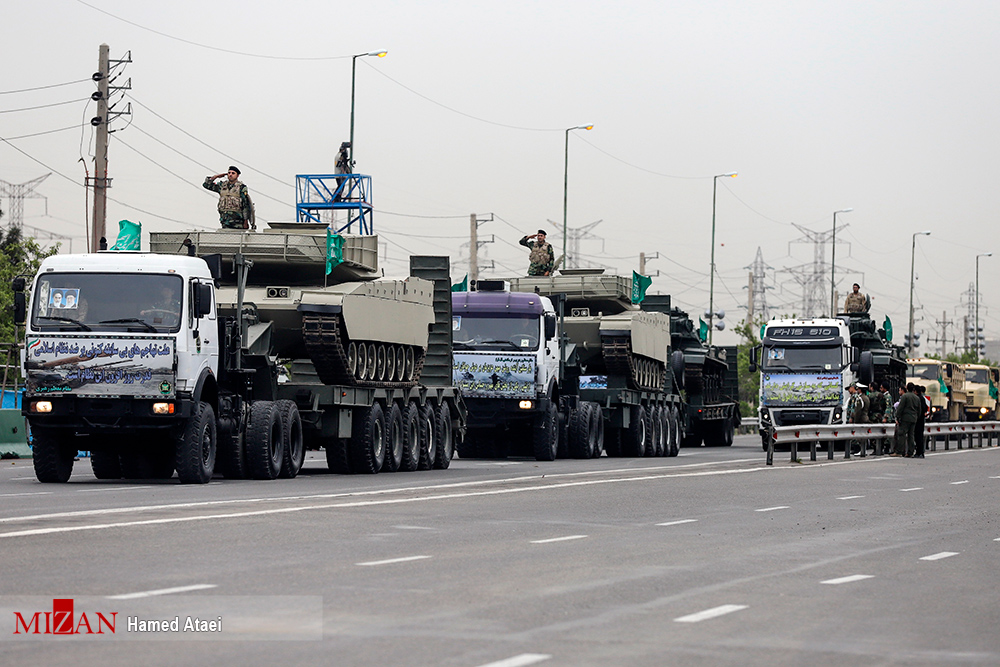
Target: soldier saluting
542	258
235	208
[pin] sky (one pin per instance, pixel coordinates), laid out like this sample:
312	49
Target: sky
887	108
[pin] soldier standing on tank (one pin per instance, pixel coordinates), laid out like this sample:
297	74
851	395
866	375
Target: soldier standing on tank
856	301
542	258
235	208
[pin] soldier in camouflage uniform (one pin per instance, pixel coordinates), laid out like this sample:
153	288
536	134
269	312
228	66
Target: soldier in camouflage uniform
542	258
235	208
856	301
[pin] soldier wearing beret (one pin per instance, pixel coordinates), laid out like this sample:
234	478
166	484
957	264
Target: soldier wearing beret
235	208
542	258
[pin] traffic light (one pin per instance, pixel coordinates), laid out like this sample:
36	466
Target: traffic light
915	342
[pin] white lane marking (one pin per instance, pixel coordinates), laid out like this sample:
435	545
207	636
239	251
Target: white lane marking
519	660
848	579
29	493
413	528
559	539
964	481
390	561
849	497
771	509
939	556
714	612
677	523
14	479
113	488
162	591
500	463
994	476
915	488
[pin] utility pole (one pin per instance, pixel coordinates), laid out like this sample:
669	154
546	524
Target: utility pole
473	249
101	182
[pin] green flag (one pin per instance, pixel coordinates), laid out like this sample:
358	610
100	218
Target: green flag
702	330
128	236
887	325
462	286
994	394
639	286
763	328
334	250
942	386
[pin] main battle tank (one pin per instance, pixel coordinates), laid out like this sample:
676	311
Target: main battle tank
613	337
355	327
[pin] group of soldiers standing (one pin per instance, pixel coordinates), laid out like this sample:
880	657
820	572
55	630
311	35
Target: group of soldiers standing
909	413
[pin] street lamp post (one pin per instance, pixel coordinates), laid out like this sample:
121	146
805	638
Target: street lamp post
913	249
833	263
711	275
566	183
354	61
985	254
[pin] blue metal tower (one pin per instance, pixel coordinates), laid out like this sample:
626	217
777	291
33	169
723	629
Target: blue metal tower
335	192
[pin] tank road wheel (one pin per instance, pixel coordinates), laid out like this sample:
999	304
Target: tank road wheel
367	446
264	441
338	458
400	363
390	363
597	428
380	363
428	437
581	444
675	432
105	464
195	446
51	456
637	435
445	441
394	441
545	435
291	434
409	364
352	358
370	370
411	437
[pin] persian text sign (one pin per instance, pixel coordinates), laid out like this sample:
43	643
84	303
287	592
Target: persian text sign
495	375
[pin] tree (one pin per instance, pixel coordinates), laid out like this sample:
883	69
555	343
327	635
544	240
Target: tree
749	382
18	257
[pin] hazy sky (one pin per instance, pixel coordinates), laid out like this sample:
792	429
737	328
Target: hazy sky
889	108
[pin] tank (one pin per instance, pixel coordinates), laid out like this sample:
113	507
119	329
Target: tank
355	327
612	336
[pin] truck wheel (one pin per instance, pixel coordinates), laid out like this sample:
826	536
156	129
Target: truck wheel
545	438
675	432
293	445
581	444
195	446
637	435
106	465
729	433
394	443
656	423
445	441
597	428
338	459
230	459
52	458
411	437
613	439
264	442
428	438
368	440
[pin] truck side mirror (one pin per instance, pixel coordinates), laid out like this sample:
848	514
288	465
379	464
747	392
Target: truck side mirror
202	300
753	358
550	325
20	308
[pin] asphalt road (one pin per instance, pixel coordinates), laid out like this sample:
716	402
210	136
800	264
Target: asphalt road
711	558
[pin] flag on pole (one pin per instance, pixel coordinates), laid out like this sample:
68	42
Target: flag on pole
128	236
887	326
334	250
462	286
639	286
702	330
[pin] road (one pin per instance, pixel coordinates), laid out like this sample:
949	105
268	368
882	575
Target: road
711	558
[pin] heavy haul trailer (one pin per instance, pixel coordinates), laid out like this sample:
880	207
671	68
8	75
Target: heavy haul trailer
203	364
567	366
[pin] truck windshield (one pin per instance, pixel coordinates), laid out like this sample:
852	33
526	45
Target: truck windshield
135	302
490	332
976	375
804	358
924	371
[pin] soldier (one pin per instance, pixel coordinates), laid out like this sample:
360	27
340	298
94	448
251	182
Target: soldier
542	258
235	208
856	302
907	413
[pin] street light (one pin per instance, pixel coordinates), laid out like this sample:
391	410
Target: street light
985	254
354	60
566	183
913	249
711	275
833	263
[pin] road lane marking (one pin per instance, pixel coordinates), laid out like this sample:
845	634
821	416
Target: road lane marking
559	539
771	509
714	612
849	497
519	660
413	528
15	479
113	488
390	561
162	591
994	476
915	488
964	481
27	493
939	556
848	579
677	523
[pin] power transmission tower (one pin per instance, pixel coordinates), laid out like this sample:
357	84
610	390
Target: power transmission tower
973	339
813	279
944	323
105	114
17	193
757	289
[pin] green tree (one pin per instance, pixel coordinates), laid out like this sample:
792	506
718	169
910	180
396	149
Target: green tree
19	256
749	382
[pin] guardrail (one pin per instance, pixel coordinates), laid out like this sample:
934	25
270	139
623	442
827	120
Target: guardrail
749	425
814	434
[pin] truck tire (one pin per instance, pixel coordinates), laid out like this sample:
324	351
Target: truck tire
445	440
677	368
293	446
545	435
368	440
675	431
428	437
338	459
105	464
659	434
51	457
195	446
597	428
637	433
411	437
729	433
394	443
264	450
581	440
230	457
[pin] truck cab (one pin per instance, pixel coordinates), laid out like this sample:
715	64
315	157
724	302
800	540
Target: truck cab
944	385
980	391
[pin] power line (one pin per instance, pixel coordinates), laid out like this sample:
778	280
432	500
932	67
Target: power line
38	134
635	166
45	106
54	85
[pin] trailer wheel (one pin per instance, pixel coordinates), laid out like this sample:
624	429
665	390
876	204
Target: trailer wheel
105	464
394	441
581	443
637	435
545	438
655	447
293	446
445	441
597	428
428	438
338	459
675	432
728	433
265	449
195	446
411	437
367	446
51	457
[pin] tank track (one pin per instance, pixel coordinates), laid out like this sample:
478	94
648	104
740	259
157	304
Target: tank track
324	343
619	360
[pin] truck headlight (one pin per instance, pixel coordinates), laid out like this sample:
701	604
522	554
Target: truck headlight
526	405
163	408
41	406
983	410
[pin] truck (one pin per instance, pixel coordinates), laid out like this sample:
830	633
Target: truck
567	366
233	352
806	366
980	392
944	385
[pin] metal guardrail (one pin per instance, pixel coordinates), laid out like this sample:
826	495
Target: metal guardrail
813	434
749	425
